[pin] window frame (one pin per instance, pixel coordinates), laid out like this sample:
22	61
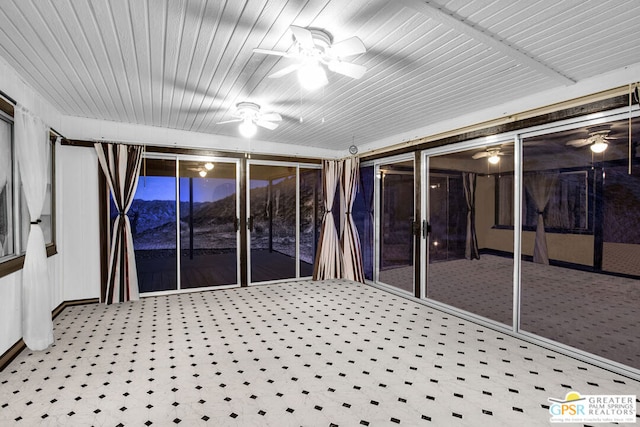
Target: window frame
589	214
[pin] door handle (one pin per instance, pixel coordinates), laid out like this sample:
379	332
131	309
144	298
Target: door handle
250	223
426	228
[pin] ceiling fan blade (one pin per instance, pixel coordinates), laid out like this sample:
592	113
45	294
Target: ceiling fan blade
348	69
229	121
480	155
283	72
266	124
579	142
303	36
272	52
349	47
271	117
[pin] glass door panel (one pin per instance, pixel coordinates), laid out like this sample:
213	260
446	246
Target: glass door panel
580	241
208	224
153	225
395	228
470	258
272	222
311	213
363	215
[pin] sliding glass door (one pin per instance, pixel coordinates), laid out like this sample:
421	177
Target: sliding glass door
395	258
184	221
208	224
468	256
284	205
153	226
580	237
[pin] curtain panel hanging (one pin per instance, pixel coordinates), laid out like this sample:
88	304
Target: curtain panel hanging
121	166
540	186
471	242
33	152
328	262
350	241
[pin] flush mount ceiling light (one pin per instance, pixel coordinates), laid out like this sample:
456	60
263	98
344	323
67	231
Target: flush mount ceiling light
313	47
250	117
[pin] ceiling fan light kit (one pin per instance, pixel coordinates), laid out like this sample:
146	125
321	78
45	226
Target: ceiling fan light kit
311	75
599	146
247	128
494	158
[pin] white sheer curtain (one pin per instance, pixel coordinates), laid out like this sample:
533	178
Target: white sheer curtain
328	264
540	187
33	151
350	241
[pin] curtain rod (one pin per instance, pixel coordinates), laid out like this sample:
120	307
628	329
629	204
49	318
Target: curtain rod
14	102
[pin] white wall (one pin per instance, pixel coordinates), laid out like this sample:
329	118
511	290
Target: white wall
78	228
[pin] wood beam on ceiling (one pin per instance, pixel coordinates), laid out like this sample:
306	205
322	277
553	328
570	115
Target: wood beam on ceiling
463	26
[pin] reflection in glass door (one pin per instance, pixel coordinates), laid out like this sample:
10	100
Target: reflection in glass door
469	253
396	201
153	226
272	222
311	213
208	224
580	275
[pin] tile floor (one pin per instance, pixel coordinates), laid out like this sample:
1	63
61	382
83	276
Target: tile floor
331	353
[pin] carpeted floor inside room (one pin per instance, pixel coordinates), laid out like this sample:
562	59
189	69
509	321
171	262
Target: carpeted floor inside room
291	354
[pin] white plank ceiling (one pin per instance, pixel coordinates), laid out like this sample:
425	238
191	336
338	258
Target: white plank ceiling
184	64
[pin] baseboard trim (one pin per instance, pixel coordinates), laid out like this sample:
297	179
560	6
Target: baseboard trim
8	356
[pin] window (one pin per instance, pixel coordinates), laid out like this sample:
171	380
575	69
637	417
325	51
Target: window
14	214
6	190
566	211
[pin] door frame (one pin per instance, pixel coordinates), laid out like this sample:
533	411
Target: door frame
425	156
247	211
377	208
187	157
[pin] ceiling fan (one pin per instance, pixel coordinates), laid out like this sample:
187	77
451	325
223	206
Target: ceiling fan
313	47
492	155
250	116
598	139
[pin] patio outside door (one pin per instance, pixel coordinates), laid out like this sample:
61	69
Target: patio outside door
468	258
284	218
395	190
